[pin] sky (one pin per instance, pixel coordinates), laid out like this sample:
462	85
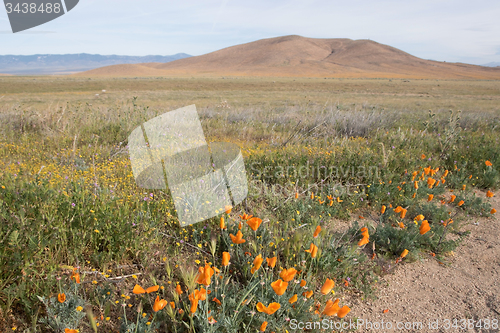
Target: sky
444	30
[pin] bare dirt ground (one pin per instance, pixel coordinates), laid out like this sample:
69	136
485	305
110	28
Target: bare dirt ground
466	287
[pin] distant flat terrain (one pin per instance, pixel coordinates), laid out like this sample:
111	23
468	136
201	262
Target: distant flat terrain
296	56
41	64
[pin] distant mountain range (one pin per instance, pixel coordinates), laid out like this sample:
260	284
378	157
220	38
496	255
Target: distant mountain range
280	56
71	63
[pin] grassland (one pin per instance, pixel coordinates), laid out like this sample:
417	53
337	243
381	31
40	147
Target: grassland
69	203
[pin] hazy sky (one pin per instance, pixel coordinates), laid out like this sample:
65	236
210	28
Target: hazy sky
445	30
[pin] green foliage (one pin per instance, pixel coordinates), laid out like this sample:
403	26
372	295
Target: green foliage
67	314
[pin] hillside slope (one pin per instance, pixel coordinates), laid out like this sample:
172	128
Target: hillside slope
310	57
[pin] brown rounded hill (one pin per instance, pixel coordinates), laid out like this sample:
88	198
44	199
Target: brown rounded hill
296	56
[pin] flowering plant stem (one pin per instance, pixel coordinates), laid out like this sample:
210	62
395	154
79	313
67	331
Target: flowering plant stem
243	298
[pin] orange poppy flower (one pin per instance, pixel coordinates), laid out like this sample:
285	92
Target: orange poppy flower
490	194
201	294
222	224
321	201
445	173
343	311
460	203
363	241
403	213
330	203
424	227
331	308
307	294
211	320
272	308
75	276
288	274
238	239
422	156
449	221
257	262
338	199
404	253
313	250
488	163
69	330
452	198
327	286
194	303
263	327
317	231
279	286
463	187
312	196
427	170
430	182
225	258
414	195
140	290
385	311
401	225
181	312
271	262
398	209
296	195
443	181
419	217
245	216
61	298
228	209
254	223
415	185
204	275
293	299
172	305
178	289
217	301
159	304
430	197
382	210
493	211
